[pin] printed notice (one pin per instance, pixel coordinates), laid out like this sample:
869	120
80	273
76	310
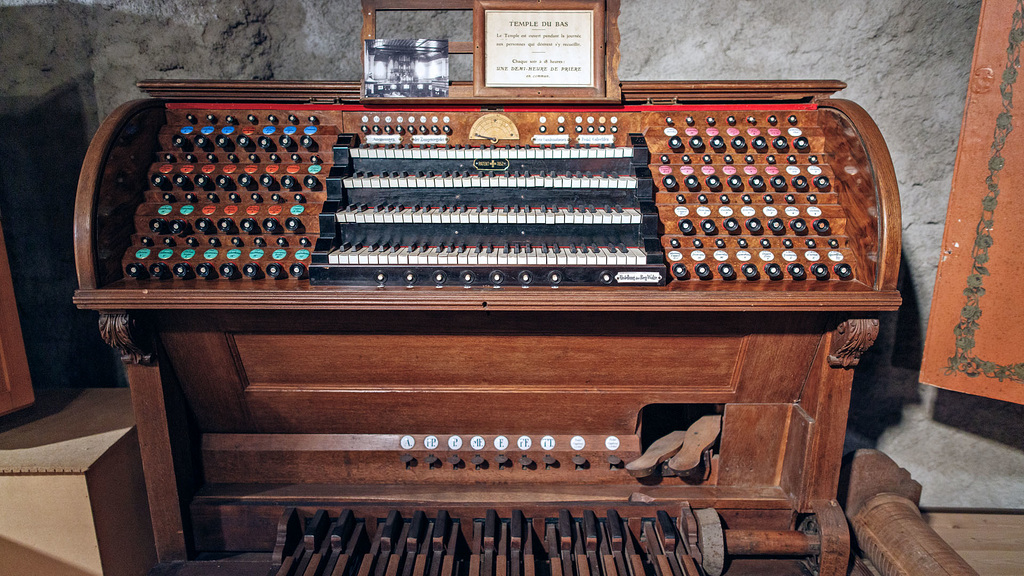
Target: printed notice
553	48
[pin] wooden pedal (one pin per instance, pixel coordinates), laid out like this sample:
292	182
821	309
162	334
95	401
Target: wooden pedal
692	462
659	451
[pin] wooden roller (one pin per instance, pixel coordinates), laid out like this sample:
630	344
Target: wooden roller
887	525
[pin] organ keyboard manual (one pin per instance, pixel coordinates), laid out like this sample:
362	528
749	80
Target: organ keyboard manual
601	329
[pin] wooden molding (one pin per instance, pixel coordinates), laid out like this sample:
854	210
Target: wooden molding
119	331
853	338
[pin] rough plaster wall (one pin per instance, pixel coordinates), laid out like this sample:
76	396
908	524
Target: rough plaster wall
67	64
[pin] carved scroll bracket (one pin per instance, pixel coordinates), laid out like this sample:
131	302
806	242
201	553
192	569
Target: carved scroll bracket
120	332
852	338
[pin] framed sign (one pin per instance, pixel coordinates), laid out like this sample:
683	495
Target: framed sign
542	49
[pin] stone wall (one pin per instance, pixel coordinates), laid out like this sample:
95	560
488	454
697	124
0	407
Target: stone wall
68	64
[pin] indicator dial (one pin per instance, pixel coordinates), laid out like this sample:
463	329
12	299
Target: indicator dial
494	127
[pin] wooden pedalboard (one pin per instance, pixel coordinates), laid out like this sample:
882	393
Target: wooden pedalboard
257	392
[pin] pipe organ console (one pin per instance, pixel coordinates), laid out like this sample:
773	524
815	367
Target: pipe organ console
444	337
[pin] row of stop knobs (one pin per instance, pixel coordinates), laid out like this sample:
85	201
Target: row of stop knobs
503	461
207	271
753	225
739	144
736	184
244	142
180	227
773	271
225	182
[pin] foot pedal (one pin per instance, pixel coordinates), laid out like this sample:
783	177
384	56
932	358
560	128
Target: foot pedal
692	462
659	451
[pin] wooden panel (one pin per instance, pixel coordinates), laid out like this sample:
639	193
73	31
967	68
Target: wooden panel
210	378
975	326
15	382
753	440
527	363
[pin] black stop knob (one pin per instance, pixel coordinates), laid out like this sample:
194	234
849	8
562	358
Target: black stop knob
686	226
735	183
675	142
136	270
774	271
202	142
680	271
801	144
224	182
229	271
739	144
226	225
206	270
203	181
223	142
703	271
182	181
160	181
749	271
780	143
179	141
760	143
757	183
178	227
692	183
293	224
272	226
205	225
727	271
289	182
267	181
777	226
245	181
245	142
265	143
732	226
669	182
275	270
822	182
311	182
249	225
286	142
297	270
822	226
797	271
779	183
800	183
754	226
820	271
843	270
718	143
159	270
307	142
252	270
182	270
714	183
798	225
708	226
697	143
158	225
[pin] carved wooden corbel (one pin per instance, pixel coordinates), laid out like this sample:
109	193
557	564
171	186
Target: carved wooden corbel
853	338
119	331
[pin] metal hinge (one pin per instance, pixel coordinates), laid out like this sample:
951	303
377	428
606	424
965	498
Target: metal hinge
653	102
324	99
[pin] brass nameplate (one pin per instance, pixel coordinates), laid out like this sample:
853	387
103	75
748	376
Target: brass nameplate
494	164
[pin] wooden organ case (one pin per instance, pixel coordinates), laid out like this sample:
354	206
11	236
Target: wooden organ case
479	355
